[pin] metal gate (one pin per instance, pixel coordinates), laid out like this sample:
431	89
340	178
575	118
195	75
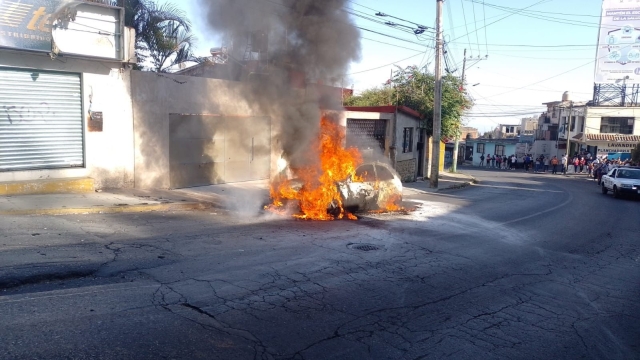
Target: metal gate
208	149
40	120
366	134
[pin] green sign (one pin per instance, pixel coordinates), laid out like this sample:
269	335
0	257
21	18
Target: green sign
26	24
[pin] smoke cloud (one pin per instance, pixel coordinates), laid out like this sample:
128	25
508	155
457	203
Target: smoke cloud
307	41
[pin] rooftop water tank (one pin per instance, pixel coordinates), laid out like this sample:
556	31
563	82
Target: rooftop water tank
565	96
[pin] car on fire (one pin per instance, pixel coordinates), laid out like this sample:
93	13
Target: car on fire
622	181
374	186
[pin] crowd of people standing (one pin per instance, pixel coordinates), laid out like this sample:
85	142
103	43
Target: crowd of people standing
580	163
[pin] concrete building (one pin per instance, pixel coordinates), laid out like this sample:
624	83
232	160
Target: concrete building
390	132
506	131
503	147
599	130
529	126
65	109
469	133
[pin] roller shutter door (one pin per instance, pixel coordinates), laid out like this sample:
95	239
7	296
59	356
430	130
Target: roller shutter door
40	120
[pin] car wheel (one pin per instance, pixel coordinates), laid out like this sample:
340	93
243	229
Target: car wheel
604	189
616	193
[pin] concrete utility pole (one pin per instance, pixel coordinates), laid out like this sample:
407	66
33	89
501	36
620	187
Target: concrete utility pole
454	167
437	108
569	132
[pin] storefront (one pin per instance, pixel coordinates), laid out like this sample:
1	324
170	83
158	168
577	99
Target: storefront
65	99
40	120
613	150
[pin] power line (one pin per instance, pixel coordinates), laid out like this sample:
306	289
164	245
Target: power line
382	66
464	16
484	15
484	27
398	46
473	7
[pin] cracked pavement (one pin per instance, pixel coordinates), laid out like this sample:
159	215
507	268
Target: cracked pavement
519	266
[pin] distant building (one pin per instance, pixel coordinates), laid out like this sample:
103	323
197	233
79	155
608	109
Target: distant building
469	133
600	130
505	131
529	126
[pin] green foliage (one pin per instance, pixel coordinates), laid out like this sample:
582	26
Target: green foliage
378	96
163	34
635	154
414	88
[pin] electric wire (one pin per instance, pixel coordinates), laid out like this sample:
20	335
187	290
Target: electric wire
473	7
464	16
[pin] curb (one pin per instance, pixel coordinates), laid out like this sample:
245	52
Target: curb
113	209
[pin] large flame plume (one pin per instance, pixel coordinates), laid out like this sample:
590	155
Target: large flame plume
319	191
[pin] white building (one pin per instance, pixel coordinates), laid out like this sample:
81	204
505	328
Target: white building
601	130
65	104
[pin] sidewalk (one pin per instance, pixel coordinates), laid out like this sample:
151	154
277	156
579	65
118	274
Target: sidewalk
247	198
116	201
446	181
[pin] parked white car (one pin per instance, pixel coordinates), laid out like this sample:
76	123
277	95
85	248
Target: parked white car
622	181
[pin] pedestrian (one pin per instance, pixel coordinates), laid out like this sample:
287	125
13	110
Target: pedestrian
554	165
504	162
493	161
576	164
565	162
499	162
482	160
581	162
514	162
546	164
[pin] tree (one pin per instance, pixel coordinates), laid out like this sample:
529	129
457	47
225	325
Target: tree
414	88
635	154
163	34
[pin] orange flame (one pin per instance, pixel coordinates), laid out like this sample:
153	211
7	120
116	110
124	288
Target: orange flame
319	190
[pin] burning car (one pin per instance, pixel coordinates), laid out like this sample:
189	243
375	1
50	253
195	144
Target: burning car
374	186
337	184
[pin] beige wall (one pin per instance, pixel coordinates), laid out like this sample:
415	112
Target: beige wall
594	114
108	154
155	96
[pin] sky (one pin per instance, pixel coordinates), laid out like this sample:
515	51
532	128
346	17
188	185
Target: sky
532	50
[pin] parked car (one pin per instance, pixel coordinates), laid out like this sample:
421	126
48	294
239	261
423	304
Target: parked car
622	181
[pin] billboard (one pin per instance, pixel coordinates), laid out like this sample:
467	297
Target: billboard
95	30
618	54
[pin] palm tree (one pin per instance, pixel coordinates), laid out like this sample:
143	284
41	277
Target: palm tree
163	34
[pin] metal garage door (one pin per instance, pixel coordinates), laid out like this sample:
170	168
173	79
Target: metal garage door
40	120
366	134
206	149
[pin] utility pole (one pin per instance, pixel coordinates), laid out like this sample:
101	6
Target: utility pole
454	167
437	108
569	136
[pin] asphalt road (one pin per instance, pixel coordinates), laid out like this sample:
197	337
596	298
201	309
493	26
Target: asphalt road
521	266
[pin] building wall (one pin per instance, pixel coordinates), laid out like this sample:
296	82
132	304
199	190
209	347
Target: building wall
489	149
405	121
155	96
594	114
108	154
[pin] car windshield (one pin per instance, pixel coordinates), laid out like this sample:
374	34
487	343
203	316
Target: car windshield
366	173
628	174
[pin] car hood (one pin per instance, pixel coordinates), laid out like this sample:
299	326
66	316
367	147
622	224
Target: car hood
629	181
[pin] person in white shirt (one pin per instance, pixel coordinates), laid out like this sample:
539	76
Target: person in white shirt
564	163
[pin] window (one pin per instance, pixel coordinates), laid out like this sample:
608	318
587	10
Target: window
366	173
628	174
573	123
480	148
500	150
383	173
582	123
407	140
616	125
